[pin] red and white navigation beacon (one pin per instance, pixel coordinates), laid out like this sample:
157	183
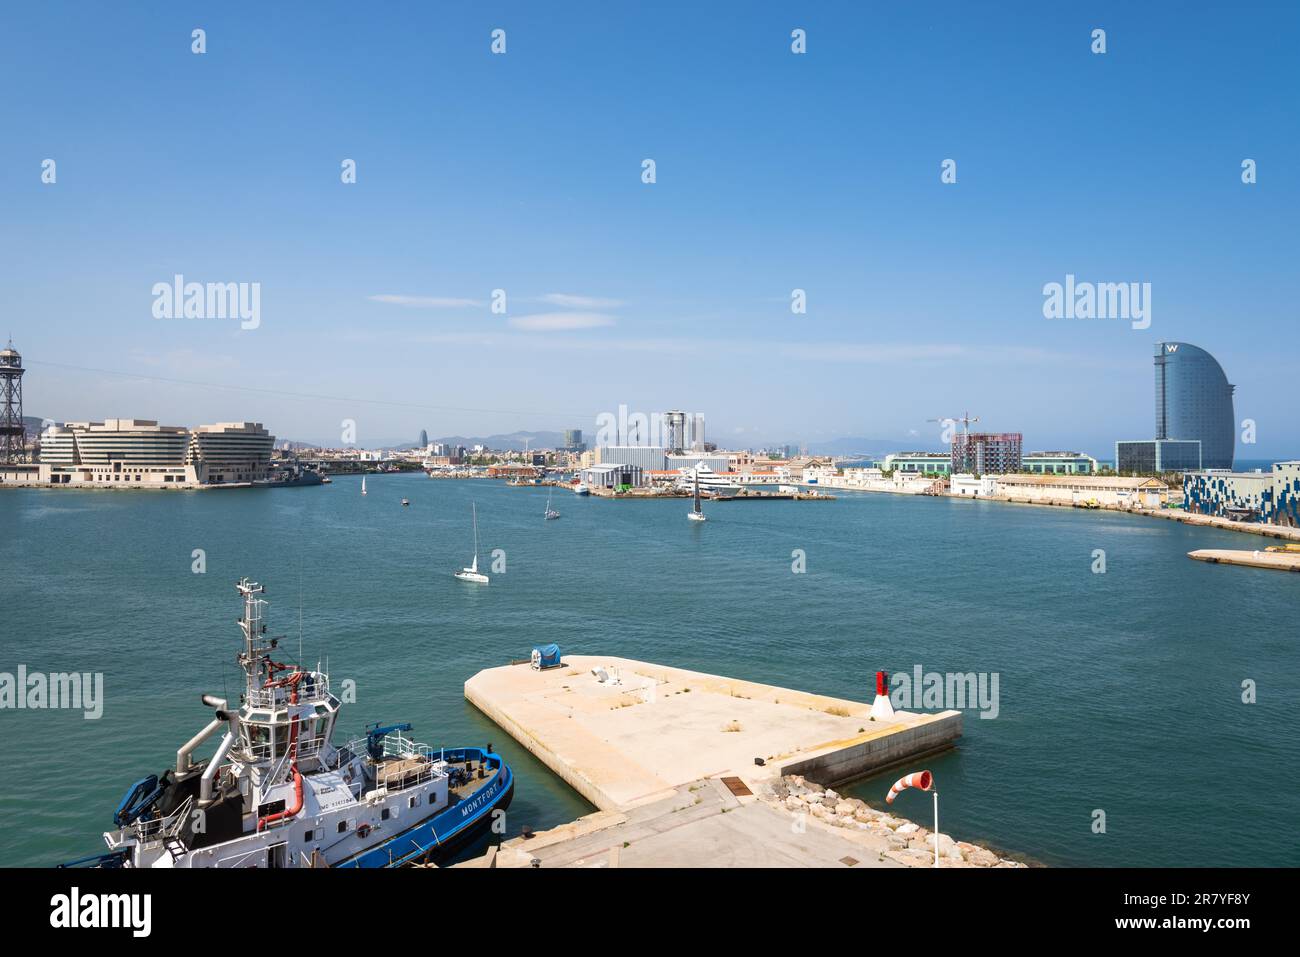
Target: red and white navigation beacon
922	781
881	709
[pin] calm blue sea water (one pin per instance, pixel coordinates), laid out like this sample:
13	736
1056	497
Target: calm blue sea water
1119	692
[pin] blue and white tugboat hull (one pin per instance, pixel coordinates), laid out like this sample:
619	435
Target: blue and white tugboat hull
452	827
278	792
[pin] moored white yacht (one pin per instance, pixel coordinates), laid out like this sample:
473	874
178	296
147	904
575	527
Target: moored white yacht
714	483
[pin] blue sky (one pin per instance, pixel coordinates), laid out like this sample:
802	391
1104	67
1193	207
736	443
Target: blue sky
774	172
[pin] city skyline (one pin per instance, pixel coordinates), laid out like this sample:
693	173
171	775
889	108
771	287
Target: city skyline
776	172
839	445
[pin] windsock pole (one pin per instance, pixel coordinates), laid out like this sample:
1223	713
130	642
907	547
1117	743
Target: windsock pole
936	828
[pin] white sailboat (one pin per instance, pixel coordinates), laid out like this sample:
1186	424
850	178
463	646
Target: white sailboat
550	512
363	485
472	574
697	514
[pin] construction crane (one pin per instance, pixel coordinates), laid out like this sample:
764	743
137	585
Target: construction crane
965	420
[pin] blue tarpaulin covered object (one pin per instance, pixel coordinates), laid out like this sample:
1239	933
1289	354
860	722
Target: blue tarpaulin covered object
546	656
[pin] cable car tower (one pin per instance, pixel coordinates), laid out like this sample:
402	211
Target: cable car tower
13	434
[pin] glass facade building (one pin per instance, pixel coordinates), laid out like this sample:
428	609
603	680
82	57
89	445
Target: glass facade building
1152	456
1059	463
1194	402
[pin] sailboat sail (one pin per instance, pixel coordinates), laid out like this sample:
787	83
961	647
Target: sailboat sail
470	573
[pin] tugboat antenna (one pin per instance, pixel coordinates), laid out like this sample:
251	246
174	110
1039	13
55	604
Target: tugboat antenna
300	606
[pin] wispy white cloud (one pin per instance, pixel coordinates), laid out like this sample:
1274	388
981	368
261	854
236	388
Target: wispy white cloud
185	360
426	302
828	351
561	321
580	302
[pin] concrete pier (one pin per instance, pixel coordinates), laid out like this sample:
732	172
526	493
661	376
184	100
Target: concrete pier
668	756
1281	561
627	743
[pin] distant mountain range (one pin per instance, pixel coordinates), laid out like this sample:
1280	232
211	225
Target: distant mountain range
852	445
517	441
514	441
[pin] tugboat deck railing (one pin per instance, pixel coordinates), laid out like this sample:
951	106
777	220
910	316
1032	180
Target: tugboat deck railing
396	747
160	829
314	685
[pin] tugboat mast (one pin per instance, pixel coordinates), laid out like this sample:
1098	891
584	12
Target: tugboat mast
255	659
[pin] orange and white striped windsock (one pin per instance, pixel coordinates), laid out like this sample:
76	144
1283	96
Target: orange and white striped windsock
917	779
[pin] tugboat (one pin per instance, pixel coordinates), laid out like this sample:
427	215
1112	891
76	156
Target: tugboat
278	792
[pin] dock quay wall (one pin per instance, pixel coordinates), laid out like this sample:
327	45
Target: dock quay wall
838	765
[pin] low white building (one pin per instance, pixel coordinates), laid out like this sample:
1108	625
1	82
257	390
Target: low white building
820	474
912	482
1082	489
964	483
862	478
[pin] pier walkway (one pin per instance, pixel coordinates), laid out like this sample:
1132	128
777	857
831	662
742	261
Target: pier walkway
668	756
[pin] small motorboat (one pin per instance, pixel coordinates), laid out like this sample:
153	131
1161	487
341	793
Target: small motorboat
406	501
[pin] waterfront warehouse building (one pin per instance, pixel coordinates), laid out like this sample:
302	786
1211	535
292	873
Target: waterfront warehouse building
1076	489
923	463
140	453
648	458
1271	497
1151	456
1059	463
981	452
1194	402
613	476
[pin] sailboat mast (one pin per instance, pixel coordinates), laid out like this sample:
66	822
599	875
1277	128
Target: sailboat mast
697	488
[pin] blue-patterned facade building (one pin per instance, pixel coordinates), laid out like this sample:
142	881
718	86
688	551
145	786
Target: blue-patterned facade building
1269	497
